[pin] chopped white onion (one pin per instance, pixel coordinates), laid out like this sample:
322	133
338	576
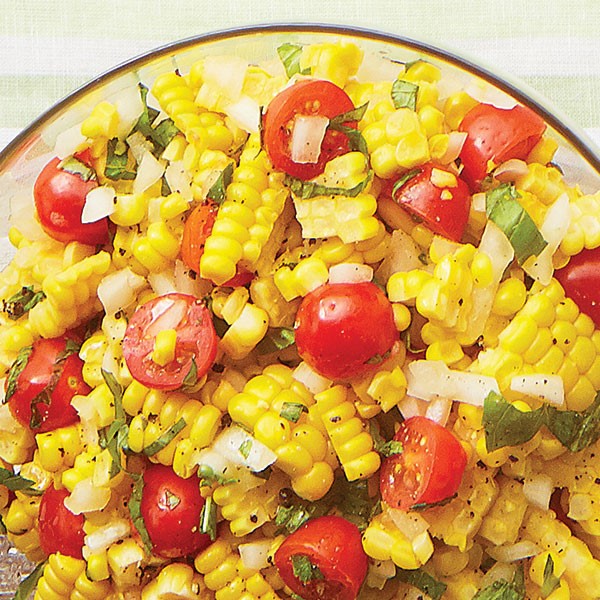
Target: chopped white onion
188	283
431	379
117	290
411	523
438	410
350	273
456	141
500	252
227	73
478	202
139	144
87	497
162	282
150	170
69	141
242	449
99	203
375	67
307	136
255	555
511	169
510	553
581	507
245	113
487	94
106	535
538	489
313	381
129	107
410	406
402	256
7	422
553	230
179	180
549	388
167	313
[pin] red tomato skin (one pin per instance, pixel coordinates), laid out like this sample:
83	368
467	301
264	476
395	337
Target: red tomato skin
306	97
172	524
59	199
197	228
343	330
497	135
334	545
425	472
420	197
59	529
35	378
196	341
580	279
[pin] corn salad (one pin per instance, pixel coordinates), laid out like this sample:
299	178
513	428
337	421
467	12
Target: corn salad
487	341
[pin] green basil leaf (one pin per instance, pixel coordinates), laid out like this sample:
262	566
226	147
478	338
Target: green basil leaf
575	430
208	518
423	581
17	483
218	189
117	159
355	137
290	54
148	116
404	94
356	114
292	411
385	448
135	511
277	338
22	302
309	189
551	581
209	477
426	505
165	439
504	590
190	381
116	389
405	177
76	167
15	370
304	569
28	585
164	132
503	208
292	517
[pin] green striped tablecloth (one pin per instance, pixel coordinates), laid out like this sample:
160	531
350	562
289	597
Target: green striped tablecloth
50	47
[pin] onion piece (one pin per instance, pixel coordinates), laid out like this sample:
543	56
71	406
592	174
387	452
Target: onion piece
106	535
99	203
117	291
411	523
245	113
129	107
179	180
307	136
87	497
432	379
549	388
255	555
553	230
375	67
69	141
167	313
456	141
538	489
227	73
242	449
7	421
162	283
438	410
350	273
150	170
509	553
478	202
313	381
139	145
581	507
402	256
487	94
410	406
511	169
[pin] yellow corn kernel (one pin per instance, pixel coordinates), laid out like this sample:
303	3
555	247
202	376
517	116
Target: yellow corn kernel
457	105
449	351
245	333
102	122
164	347
336	62
57	449
130	209
124	560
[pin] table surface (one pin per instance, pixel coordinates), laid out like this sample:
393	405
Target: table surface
50	47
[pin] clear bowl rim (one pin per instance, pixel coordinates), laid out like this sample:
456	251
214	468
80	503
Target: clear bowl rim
512	85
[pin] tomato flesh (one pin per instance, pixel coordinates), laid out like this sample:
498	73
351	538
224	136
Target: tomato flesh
59	197
306	97
171	508
195	348
445	210
580	279
345	330
333	545
46	386
59	529
197	228
428	470
497	135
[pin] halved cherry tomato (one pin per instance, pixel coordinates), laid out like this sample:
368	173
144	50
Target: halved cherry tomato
581	280
59	529
45	385
171	507
59	193
497	135
345	330
195	348
306	97
323	560
429	469
196	230
437	197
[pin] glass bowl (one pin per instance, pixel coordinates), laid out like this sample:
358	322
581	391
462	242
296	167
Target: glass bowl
22	159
